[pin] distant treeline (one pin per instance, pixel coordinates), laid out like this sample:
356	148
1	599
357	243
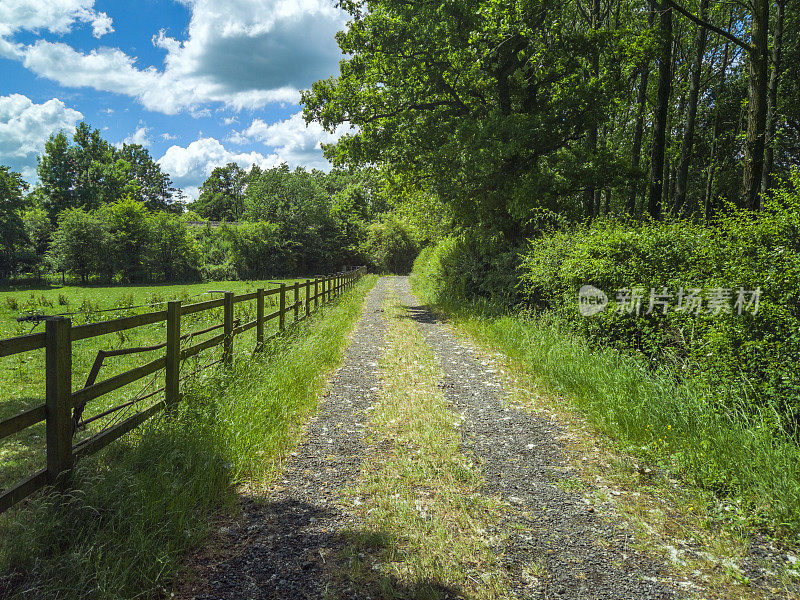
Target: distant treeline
100	213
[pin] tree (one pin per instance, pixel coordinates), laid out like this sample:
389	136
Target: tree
12	231
57	175
257	250
171	254
297	202
691	113
79	243
38	229
129	237
222	194
489	104
90	172
155	186
658	163
772	99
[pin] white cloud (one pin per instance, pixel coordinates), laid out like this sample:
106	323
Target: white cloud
25	127
56	16
189	167
139	137
293	141
240	53
168	136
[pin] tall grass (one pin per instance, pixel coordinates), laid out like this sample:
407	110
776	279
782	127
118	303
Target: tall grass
133	510
743	459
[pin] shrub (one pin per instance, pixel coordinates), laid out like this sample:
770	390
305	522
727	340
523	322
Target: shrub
739	250
390	247
472	266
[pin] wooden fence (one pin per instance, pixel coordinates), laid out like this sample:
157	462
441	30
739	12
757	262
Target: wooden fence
63	407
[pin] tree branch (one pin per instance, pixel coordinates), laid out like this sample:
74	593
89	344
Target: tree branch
702	23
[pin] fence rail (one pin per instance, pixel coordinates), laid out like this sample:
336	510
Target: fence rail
63	406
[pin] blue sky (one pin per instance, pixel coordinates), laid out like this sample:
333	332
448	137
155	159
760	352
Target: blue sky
198	82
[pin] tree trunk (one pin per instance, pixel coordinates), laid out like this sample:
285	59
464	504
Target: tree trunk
772	99
691	114
641	101
590	196
708	208
662	108
757	104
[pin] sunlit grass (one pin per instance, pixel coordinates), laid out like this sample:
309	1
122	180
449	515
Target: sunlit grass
22	376
135	508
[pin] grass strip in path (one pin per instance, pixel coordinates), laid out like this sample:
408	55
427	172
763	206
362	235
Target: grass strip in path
419	494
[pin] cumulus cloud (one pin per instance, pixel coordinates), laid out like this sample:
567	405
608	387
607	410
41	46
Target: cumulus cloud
25	127
139	137
241	53
56	16
292	140
189	167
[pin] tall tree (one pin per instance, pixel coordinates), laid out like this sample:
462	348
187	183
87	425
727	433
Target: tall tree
488	103
772	98
12	230
222	194
757	103
658	163
691	112
638	132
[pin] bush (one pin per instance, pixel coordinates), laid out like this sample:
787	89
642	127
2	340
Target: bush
740	250
390	248
472	266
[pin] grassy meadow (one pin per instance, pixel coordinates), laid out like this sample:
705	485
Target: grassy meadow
22	376
135	508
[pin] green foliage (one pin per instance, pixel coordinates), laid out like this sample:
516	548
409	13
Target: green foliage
91	172
256	249
79	243
13	238
222	194
390	247
129	238
739	250
471	266
298	202
485	101
173	254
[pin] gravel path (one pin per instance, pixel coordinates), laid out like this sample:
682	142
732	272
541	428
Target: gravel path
282	548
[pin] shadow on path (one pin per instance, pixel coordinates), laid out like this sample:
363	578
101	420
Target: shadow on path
288	552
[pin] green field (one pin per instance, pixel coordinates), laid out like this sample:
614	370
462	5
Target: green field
22	377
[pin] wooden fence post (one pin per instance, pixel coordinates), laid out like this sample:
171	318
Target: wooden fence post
59	428
316	293
308	297
227	341
282	309
259	316
173	364
296	300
